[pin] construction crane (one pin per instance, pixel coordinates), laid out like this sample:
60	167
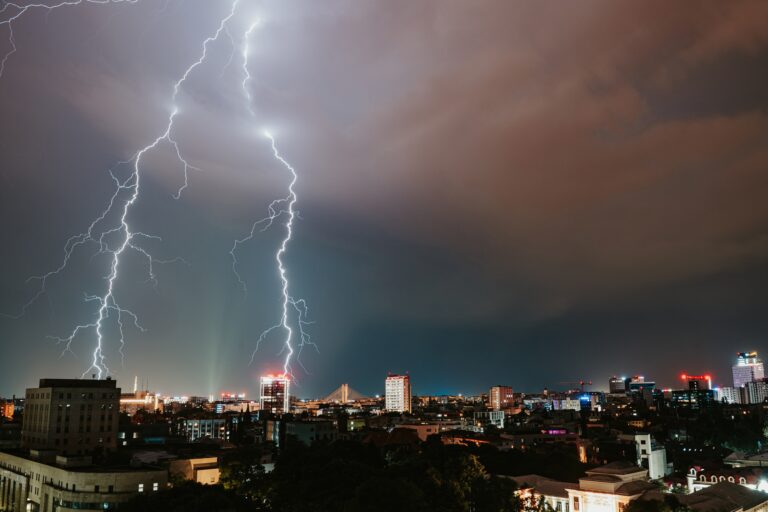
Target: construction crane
580	383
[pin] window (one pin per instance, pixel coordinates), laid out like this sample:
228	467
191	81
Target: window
155	486
576	504
622	506
141	487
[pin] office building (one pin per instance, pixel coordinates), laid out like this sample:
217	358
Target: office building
71	416
697	382
730	395
638	384
748	368
485	419
500	398
274	394
397	397
756	392
617	385
196	429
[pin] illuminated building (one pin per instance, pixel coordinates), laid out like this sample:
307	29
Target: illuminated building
484	419
274	394
397	397
35	485
500	397
637	384
131	403
608	488
697	382
203	428
756	391
748	368
7	409
730	395
71	416
617	385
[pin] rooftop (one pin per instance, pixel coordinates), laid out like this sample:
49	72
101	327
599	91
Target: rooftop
78	383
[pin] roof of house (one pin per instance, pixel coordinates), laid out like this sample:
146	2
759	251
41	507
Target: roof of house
720	497
543	485
619	467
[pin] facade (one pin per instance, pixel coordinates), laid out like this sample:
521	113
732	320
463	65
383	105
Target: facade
71	416
195	429
7	409
756	391
484	419
617	385
131	403
500	397
397	397
308	432
274	394
698	382
730	395
693	399
651	456
609	488
699	478
35	486
748	367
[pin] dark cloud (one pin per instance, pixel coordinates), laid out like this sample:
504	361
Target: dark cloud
484	186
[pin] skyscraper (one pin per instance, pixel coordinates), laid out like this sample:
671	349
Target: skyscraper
748	368
397	397
500	397
274	396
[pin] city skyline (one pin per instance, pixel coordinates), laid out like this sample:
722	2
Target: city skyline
490	197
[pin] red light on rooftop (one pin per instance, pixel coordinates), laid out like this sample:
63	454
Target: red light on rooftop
684	377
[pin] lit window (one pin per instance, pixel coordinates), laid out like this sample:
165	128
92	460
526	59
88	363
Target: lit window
141	487
155	486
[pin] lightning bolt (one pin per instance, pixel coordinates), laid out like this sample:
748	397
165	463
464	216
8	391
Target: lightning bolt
101	232
21	10
296	337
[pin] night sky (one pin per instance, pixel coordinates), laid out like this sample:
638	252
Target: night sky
490	191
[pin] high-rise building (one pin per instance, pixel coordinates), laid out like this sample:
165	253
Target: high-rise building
500	397
748	368
697	382
756	391
71	416
730	395
617	385
397	397
275	394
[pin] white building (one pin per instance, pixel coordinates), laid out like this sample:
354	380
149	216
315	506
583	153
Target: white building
748	368
605	489
34	485
729	395
756	392
609	488
651	456
397	397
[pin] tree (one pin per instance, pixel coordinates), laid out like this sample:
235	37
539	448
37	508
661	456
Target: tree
188	497
243	474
